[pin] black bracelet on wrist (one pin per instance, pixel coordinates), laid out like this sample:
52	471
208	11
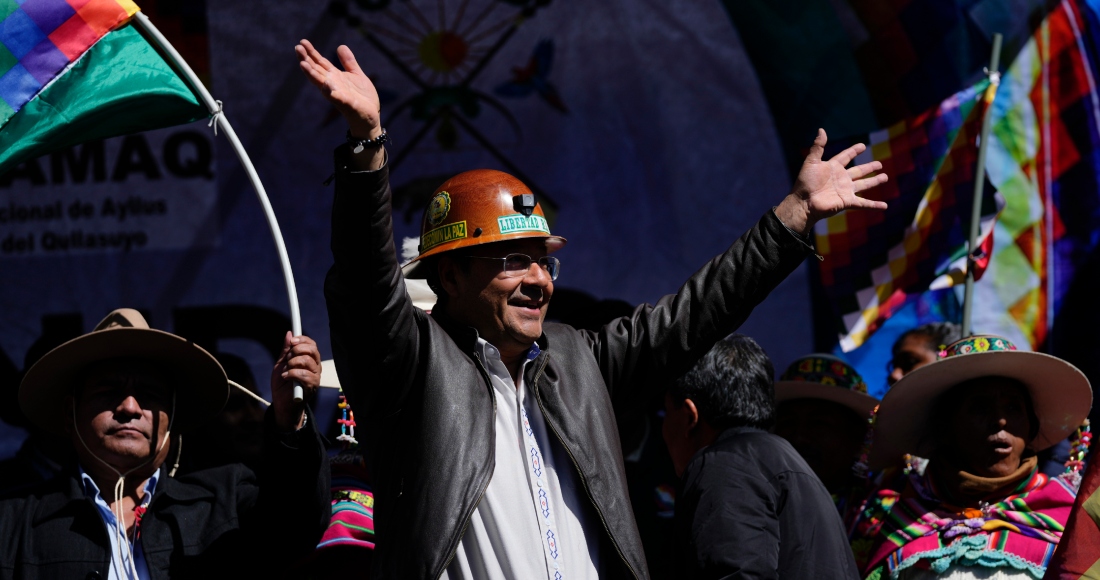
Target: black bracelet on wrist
358	145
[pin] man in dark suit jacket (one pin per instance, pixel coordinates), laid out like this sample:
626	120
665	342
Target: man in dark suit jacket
749	506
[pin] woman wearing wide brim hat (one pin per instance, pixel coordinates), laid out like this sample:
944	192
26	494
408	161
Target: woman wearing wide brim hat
822	411
1060	393
979	414
827	378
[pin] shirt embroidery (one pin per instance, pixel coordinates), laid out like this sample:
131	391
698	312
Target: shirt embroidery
529	461
543	498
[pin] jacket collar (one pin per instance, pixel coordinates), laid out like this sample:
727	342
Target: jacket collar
62	497
464	336
735	431
65	496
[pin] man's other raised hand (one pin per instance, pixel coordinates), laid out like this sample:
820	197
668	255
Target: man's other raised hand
826	188
350	91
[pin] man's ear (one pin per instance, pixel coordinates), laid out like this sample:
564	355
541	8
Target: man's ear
692	413
449	274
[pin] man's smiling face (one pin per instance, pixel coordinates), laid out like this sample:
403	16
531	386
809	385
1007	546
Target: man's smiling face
507	311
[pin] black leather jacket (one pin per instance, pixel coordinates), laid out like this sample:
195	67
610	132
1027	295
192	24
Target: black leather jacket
429	406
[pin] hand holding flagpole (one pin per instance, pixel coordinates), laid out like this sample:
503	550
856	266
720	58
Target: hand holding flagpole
298	364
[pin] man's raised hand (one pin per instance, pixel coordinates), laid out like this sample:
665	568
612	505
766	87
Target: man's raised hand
826	188
349	90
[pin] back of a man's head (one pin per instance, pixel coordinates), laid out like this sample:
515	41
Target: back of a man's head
731	385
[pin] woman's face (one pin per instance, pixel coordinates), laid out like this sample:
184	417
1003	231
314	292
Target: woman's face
989	426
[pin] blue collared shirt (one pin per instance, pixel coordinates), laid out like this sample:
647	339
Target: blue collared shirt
117	556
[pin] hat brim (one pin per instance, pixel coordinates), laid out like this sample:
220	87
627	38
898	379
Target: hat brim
1060	393
861	403
201	384
414	271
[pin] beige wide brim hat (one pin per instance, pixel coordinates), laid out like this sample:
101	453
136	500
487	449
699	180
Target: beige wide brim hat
201	384
1060	393
861	403
827	378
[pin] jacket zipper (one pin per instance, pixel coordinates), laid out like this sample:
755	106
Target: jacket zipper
584	480
481	494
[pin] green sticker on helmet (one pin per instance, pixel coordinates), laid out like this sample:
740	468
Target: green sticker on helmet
447	233
438	208
511	224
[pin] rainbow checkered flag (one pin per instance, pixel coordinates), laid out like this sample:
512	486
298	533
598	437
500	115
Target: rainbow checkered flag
874	261
73	71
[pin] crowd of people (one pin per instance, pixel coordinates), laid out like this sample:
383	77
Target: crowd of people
493	443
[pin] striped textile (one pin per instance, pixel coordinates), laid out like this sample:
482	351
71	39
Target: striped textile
352	522
914	529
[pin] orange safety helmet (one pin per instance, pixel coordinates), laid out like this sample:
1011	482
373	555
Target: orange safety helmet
479	207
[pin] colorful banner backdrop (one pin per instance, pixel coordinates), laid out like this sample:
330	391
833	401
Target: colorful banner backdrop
873	261
73	71
1044	157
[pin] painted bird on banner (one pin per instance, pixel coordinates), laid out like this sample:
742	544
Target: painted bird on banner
874	261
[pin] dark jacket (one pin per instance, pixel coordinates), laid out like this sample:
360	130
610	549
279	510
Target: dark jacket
750	507
218	523
429	402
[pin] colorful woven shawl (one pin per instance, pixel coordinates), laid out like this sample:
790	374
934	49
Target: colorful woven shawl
915	528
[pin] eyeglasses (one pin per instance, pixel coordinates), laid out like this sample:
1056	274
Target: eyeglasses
520	264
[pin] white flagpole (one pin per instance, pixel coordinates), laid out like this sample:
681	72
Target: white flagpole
215	107
979	187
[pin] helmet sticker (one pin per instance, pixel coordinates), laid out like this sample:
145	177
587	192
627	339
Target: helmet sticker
438	208
518	223
447	233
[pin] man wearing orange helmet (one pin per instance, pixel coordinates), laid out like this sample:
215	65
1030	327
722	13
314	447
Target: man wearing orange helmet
497	454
